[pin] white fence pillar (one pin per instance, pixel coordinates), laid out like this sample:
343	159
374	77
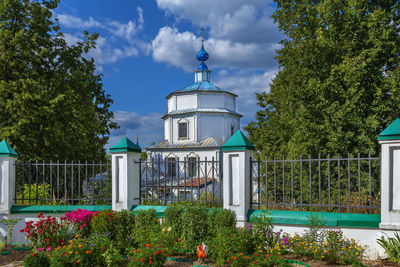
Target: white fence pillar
8	156
236	183
125	175
389	140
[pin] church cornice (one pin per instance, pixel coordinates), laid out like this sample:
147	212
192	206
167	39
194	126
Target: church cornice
201	110
198	91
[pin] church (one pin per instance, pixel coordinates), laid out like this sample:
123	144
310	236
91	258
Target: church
200	118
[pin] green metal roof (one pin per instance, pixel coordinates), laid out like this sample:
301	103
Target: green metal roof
7	150
125	145
392	132
238	141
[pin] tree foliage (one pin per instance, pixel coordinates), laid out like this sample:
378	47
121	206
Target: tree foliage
338	83
52	104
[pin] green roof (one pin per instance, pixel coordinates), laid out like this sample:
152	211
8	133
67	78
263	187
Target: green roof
7	150
238	141
392	132
125	145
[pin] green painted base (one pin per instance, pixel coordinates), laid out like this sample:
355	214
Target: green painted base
331	218
25	209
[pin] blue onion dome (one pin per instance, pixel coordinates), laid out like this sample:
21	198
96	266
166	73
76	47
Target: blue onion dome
202	55
202	66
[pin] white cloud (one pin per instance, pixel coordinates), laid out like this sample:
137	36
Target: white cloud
107	51
150	127
179	49
241	34
70	21
245	85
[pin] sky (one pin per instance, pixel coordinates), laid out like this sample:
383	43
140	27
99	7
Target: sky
147	49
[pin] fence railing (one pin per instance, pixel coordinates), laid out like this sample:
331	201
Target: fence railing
164	181
332	184
64	183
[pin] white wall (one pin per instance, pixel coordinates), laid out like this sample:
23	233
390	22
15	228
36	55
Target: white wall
171	103
216	100
216	125
186	101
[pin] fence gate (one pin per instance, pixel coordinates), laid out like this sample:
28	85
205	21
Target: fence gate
168	180
64	183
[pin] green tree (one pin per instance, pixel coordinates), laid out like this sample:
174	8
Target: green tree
338	84
52	104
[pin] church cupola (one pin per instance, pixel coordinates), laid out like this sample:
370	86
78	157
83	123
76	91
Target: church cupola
202	74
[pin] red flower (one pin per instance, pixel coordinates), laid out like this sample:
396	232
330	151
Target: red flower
150	262
141	260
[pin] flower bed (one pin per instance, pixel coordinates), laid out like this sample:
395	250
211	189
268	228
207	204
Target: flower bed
108	238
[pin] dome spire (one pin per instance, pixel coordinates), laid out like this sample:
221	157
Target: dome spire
202	55
202	74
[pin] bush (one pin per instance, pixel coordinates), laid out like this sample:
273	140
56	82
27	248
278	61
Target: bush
335	248
47	232
36	259
147	227
195	227
81	220
124	229
85	252
174	219
391	247
149	254
103	222
220	218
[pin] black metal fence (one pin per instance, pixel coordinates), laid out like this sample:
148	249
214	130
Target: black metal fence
64	183
332	184
164	181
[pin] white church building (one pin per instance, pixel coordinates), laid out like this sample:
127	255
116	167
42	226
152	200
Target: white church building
201	117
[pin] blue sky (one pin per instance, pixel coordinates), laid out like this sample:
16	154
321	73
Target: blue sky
147	48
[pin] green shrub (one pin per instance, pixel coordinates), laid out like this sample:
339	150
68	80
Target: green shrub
391	246
103	222
124	229
36	259
220	218
174	219
195	227
147	228
81	252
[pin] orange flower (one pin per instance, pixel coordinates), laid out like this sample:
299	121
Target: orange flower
150	258
34	254
79	246
147	245
78	261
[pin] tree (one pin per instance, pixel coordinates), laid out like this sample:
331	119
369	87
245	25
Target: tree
52	104
338	83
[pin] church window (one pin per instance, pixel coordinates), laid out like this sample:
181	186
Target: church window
192	167
171	167
183	130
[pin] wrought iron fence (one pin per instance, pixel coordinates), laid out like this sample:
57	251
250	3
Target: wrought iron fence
333	184
169	180
66	183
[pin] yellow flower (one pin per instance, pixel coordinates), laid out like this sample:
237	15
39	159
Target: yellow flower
169	229
163	230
